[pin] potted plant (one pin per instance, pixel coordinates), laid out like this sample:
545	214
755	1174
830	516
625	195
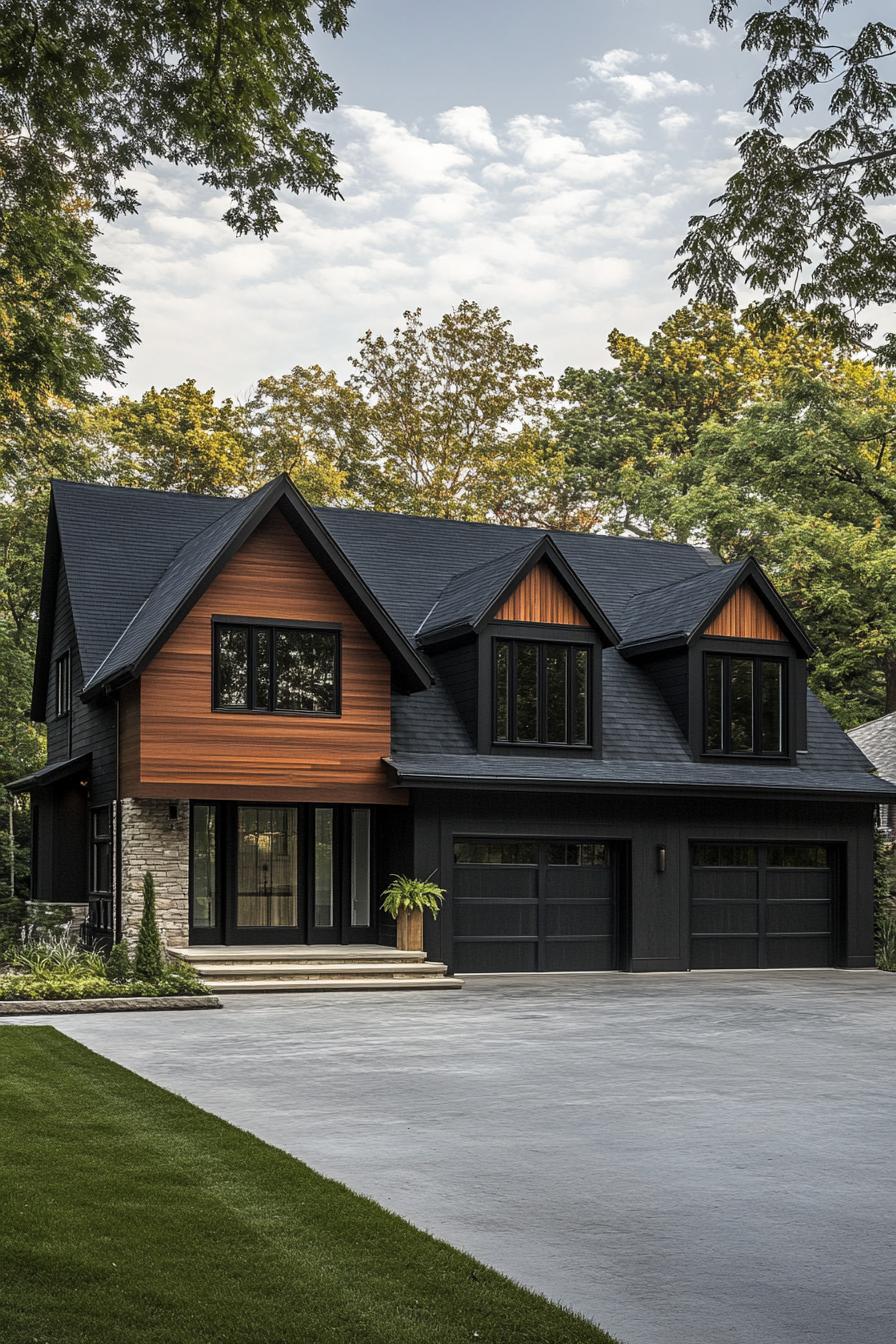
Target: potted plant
405	899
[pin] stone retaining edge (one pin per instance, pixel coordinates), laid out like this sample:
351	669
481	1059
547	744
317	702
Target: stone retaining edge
45	1007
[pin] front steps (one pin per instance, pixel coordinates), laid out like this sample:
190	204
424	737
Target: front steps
280	969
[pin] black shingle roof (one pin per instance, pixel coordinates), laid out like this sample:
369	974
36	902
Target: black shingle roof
466	595
129	555
677	608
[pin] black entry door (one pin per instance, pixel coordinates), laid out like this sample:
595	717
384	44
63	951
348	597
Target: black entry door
762	905
530	905
272	874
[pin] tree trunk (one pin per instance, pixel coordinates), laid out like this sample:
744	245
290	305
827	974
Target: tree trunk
890	678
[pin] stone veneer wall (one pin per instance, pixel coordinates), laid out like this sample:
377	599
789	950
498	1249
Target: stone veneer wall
152	841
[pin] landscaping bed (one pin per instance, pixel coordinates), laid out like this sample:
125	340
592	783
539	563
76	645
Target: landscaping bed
133	1217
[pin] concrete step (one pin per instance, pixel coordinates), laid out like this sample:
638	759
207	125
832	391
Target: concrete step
293	969
291	952
309	985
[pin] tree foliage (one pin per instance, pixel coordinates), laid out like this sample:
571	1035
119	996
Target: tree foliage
796	223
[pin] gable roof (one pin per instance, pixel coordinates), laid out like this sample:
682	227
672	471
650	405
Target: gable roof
470	598
203	556
877	742
679	612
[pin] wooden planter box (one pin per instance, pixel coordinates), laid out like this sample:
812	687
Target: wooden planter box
409	925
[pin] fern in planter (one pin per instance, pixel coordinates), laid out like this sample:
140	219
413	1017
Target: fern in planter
405	899
412	893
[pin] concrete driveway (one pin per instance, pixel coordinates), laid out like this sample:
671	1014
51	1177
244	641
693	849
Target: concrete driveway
687	1159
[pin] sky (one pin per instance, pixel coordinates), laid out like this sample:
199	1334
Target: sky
538	155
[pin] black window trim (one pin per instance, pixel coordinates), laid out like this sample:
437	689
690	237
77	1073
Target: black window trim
253	623
758	659
96	841
64	703
542	742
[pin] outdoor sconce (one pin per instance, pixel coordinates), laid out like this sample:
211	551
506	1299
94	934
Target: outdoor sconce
661	858
172	811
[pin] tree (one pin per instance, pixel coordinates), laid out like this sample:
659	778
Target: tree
627	431
442	410
807	482
149	956
793	223
176	438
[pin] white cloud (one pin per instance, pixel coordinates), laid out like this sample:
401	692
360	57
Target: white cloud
609	128
673	120
408	157
613	68
470	127
701	38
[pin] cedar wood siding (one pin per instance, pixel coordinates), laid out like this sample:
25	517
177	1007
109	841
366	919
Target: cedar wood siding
745	616
541	599
174	745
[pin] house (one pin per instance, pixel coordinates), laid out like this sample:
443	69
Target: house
877	739
603	748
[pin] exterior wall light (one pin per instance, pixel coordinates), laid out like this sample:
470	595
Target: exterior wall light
661	858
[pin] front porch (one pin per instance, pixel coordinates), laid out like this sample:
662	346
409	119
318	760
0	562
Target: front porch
276	968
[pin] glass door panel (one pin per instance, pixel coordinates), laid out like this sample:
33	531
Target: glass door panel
324	876
360	868
267	868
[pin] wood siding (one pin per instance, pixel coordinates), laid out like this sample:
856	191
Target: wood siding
179	747
745	616
541	599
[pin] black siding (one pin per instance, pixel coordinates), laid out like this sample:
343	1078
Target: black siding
670	673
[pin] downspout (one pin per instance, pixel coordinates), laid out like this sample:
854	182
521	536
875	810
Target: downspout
117	931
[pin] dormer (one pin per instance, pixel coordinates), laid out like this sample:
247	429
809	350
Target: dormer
517	641
729	657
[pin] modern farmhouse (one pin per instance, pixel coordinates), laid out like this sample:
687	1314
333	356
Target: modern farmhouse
603	748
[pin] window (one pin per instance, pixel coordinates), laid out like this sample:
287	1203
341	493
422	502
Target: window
63	685
797	856
576	854
280	669
323	868
542	692
203	850
725	856
360	874
744	703
100	851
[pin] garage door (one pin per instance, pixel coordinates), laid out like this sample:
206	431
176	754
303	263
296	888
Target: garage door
530	905
757	905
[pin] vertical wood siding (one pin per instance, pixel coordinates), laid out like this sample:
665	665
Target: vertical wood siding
745	616
184	749
541	599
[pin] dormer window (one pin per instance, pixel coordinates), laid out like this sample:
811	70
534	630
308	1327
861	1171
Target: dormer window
744	697
542	692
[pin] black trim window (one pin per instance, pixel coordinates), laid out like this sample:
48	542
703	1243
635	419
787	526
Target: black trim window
279	669
542	692
745	698
100	851
63	685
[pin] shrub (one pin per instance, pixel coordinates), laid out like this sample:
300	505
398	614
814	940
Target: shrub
56	984
149	958
55	954
118	963
885	935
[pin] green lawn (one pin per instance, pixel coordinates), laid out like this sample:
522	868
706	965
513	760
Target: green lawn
131	1217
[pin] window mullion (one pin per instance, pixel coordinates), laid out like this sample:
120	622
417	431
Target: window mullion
272	669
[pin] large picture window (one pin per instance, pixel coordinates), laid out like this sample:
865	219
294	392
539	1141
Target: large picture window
542	692
279	669
744	705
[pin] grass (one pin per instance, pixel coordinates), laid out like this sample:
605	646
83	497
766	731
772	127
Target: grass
132	1217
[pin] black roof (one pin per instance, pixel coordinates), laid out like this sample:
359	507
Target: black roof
134	558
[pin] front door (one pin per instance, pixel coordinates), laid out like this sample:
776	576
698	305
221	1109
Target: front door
290	874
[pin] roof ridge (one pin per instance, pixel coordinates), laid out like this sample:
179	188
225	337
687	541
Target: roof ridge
147	490
726	566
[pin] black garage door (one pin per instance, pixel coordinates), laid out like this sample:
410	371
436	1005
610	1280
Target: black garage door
757	905
531	905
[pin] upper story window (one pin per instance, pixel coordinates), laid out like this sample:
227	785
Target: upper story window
745	704
63	685
542	691
276	668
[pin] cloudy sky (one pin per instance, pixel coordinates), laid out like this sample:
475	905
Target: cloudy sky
541	155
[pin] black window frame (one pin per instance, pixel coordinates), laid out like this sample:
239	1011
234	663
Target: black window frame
251	626
541	740
759	662
64	685
99	841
